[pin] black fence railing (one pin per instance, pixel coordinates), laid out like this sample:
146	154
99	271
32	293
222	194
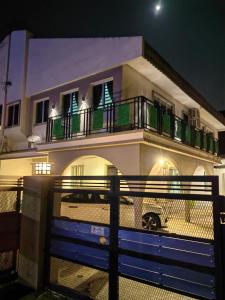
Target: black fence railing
129	114
128	237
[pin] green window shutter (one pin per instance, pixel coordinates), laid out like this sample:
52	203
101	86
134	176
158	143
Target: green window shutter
57	130
153	115
76	123
178	129
198	139
204	141
98	119
166	121
210	143
123	115
188	134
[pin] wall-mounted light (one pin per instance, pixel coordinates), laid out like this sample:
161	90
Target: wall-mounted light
53	112
42	168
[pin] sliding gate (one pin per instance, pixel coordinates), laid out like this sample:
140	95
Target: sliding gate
135	237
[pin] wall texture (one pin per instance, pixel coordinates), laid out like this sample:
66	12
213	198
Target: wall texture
53	62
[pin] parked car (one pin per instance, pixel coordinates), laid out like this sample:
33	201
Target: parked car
153	216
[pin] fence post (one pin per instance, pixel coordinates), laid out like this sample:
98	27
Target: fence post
33	226
113	246
218	239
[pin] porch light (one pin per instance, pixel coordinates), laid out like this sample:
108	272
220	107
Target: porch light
162	161
42	168
53	112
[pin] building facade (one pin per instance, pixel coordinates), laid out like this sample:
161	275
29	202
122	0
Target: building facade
100	106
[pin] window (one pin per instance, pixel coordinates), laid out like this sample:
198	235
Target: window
164	103
77	170
42	168
70	103
185	118
0	114
111	170
13	115
42	111
103	94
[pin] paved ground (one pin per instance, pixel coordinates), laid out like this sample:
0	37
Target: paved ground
14	291
94	284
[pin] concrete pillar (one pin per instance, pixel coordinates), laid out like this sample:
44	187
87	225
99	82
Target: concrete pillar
33	230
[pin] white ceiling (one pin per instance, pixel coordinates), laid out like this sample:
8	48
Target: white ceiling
144	67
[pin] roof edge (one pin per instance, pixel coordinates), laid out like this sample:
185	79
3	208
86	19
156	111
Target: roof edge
161	64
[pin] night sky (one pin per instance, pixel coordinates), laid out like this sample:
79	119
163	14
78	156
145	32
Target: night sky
189	34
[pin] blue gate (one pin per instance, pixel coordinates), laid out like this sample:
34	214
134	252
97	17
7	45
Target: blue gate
186	264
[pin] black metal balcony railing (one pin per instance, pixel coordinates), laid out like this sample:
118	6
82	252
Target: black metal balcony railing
129	114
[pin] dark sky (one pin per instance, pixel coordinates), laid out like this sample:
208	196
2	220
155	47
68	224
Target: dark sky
189	34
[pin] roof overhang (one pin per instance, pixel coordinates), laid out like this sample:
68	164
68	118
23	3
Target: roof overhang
151	64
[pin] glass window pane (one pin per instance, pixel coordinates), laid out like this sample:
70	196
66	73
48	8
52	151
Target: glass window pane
39	108
46	106
97	95
10	115
0	114
66	105
16	114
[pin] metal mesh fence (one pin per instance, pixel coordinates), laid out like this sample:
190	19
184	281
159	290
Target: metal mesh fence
8	205
84	206
6	261
8	201
131	289
176	216
83	280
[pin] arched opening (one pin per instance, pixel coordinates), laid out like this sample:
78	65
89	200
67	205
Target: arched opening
200	212
200	171
164	167
171	209
91	165
92	205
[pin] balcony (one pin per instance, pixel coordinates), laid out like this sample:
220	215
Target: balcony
129	114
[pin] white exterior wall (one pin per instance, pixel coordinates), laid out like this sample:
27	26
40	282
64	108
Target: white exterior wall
135	84
53	62
221	174
93	166
17	66
3	65
16	167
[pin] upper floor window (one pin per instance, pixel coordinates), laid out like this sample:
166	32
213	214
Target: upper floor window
103	94
70	103
13	114
42	108
0	114
164	103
